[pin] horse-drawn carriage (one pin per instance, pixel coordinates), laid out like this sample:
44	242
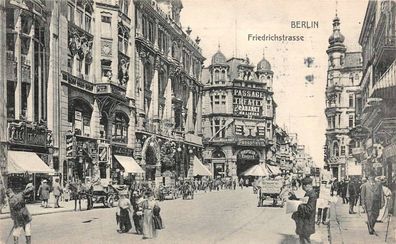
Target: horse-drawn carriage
270	189
107	195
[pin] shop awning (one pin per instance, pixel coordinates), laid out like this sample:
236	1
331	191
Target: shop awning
129	164
274	169
256	170
22	162
199	168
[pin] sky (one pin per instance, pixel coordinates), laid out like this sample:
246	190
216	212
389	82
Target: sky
301	104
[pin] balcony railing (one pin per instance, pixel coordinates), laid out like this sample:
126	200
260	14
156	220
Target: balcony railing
387	80
77	82
111	89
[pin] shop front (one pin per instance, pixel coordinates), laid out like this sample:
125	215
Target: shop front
246	159
30	155
125	169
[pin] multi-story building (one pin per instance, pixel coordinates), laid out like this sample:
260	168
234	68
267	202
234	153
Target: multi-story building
168	90
377	97
283	154
29	126
343	76
238	114
97	104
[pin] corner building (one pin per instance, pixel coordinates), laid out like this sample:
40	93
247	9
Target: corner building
343	75
238	115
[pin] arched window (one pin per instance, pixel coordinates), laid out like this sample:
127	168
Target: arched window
120	128
216	76
223	75
218	154
336	149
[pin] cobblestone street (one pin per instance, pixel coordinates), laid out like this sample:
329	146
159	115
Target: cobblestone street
218	217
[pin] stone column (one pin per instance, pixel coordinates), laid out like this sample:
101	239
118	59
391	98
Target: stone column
3	96
18	89
30	99
198	128
155	95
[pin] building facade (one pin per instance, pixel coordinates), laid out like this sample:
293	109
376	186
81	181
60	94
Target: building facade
343	76
238	115
377	117
30	129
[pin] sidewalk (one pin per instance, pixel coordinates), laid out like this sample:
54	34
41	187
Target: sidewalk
36	209
351	228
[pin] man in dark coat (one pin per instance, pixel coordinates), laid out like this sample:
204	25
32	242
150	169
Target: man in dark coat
20	214
372	201
353	194
344	189
305	214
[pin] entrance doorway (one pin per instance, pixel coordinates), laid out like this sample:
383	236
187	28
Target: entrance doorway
246	159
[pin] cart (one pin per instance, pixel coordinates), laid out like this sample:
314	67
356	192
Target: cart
107	195
270	188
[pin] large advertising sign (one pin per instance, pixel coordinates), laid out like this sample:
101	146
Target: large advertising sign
248	103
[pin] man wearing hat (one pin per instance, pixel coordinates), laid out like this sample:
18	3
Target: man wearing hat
20	214
305	214
372	201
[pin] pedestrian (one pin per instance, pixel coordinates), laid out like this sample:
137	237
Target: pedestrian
149	230
43	192
372	201
2	195
125	209
88	188
234	182
76	194
241	182
323	204
20	214
57	191
353	194
344	191
137	201
305	214
384	211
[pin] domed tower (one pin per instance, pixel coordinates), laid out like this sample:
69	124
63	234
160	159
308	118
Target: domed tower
265	73
336	50
218	68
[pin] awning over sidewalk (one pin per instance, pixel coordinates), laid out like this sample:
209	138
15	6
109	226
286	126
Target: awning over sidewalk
199	168
274	169
256	170
129	164
22	162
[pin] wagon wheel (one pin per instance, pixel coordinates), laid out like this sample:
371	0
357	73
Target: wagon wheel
110	202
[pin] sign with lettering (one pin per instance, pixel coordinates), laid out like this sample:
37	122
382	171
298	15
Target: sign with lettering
248	103
29	134
252	143
120	150
248	155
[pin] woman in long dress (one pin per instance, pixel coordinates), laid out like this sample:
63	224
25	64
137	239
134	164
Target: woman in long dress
149	230
387	197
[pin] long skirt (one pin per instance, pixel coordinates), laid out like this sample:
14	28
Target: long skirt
384	211
149	230
125	221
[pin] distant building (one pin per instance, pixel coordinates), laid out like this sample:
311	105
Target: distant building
238	115
343	76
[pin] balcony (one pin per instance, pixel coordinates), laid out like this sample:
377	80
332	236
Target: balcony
77	82
112	90
385	48
334	88
385	87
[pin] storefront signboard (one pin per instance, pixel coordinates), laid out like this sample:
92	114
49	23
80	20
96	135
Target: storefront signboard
252	143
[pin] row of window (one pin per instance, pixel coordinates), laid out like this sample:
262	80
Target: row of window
80	15
335	121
